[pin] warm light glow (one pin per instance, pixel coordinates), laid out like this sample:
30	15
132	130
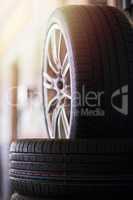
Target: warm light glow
14	25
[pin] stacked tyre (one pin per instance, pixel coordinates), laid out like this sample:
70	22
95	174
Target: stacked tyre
88	51
47	168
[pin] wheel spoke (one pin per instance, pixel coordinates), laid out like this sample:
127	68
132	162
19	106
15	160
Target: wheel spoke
52	65
47	85
52	102
59	46
66	92
66	70
54	122
67	96
65	66
59	126
48	77
48	81
54	46
65	123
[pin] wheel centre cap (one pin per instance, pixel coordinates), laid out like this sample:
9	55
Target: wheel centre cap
60	84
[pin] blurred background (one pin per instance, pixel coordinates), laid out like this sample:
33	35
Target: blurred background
22	32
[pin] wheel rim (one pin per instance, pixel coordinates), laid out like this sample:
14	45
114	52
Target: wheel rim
57	85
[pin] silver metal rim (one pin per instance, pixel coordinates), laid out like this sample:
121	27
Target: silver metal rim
57	84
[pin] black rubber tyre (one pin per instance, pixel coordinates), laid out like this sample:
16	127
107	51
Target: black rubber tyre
95	196
100	49
21	197
65	168
17	196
